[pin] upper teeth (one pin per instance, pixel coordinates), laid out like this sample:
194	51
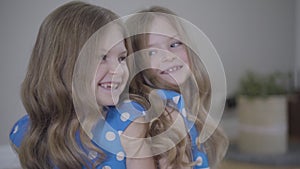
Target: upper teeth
173	69
109	85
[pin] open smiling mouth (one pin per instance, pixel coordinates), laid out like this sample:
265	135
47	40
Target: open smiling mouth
109	85
171	69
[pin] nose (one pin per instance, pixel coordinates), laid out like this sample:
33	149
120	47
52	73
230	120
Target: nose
167	56
115	68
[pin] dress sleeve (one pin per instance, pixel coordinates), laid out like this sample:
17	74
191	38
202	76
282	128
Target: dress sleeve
18	131
106	133
121	116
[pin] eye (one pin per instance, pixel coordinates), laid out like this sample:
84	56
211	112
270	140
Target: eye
122	58
152	52
175	44
104	58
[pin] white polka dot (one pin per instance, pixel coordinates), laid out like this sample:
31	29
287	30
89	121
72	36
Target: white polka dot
125	116
120	156
184	112
16	129
127	101
176	99
110	136
106	167
199	161
120	132
143	112
196	139
92	155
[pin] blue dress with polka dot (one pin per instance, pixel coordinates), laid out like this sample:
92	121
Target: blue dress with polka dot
177	99
105	134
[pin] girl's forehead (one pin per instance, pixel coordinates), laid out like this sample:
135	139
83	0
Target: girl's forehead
110	37
162	25
157	39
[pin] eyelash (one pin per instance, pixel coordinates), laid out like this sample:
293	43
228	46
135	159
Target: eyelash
172	45
178	43
104	57
120	58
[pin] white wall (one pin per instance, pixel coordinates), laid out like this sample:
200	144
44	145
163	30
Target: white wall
248	34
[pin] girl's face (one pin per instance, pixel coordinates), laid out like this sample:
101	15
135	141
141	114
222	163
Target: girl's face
112	73
168	56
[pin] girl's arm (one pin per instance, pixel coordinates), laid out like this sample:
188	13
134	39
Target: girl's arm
137	149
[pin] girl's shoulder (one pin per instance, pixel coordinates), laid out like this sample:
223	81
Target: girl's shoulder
19	130
173	98
167	94
121	116
132	107
106	133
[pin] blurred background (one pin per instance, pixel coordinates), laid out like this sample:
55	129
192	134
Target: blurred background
258	36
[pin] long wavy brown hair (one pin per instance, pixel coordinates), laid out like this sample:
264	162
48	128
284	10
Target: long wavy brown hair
196	103
47	89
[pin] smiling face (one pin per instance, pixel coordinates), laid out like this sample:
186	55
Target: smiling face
112	72
168	55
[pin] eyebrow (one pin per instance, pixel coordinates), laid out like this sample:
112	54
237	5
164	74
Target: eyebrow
105	51
176	36
123	52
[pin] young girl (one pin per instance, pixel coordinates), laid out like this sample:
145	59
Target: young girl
75	77
166	67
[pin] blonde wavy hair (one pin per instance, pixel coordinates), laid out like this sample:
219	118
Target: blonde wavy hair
196	103
46	91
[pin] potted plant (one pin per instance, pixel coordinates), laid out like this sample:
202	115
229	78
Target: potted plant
262	114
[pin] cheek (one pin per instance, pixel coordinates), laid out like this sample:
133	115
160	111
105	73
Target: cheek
154	63
126	72
99	74
184	57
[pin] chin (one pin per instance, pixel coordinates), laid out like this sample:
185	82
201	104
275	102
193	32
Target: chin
108	102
